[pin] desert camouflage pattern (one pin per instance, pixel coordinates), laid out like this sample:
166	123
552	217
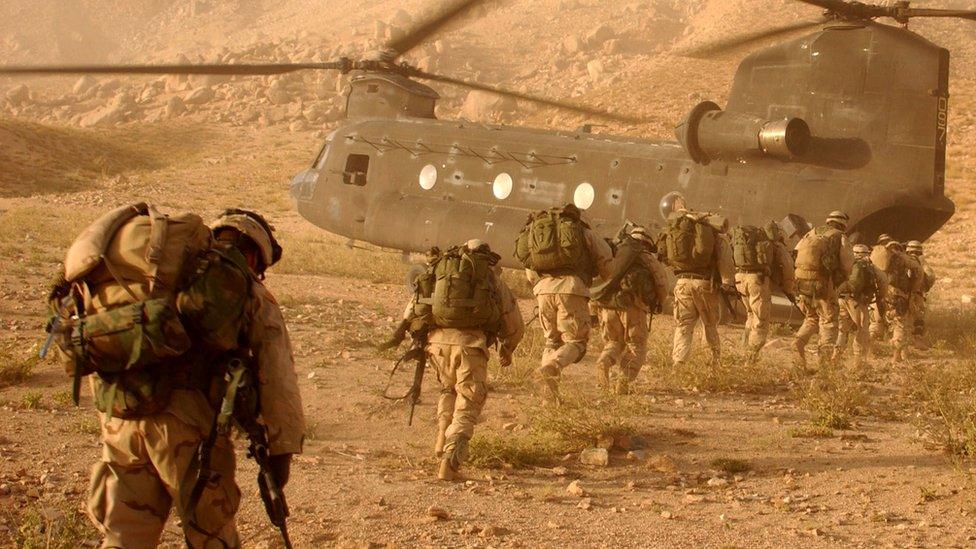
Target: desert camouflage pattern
697	299
818	301
460	359
624	345
148	464
563	303
854	322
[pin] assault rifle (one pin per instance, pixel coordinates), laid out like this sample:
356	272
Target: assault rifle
418	354
239	407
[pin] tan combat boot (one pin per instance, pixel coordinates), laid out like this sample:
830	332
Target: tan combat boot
441	438
446	471
603	376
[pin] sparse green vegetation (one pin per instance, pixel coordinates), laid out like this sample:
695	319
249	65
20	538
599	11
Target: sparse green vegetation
88	425
526	359
63	527
15	369
731	466
952	328
834	396
733	374
492	450
63	398
31	400
811	431
313	251
576	424
943	394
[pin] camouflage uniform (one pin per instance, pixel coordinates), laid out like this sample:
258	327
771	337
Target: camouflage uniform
625	330
855	315
918	300
696	297
905	278
145	461
565	317
460	359
818	296
756	289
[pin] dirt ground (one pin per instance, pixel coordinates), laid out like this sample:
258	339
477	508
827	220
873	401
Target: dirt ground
366	479
726	457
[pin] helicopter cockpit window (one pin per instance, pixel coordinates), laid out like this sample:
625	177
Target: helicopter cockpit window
357	165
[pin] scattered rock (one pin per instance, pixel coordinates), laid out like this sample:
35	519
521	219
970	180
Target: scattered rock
174	107
438	513
560	471
486	106
84	84
575	489
667	515
967	299
572	45
596	37
717	481
585	504
598	457
199	96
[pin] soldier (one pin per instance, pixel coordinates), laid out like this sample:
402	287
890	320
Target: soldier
159	415
459	331
918	302
824	260
561	255
867	284
636	289
879	322
761	260
905	279
695	247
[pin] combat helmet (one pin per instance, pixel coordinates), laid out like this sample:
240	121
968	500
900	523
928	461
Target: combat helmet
640	233
861	251
256	228
894	244
914	247
884	239
839	218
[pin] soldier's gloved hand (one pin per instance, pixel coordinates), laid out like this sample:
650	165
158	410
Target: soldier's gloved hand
281	468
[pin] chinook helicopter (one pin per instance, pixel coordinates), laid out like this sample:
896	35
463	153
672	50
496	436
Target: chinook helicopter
852	116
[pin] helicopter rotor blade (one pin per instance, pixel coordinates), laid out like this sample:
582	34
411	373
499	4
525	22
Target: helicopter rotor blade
925	12
244	69
564	105
721	46
428	27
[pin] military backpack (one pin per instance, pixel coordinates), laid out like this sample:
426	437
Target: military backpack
690	244
818	254
863	282
902	272
458	291
553	242
140	289
751	249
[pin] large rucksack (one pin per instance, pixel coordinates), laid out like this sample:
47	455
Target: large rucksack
902	272
636	281
553	242
458	291
690	244
751	248
818	254
863	282
141	289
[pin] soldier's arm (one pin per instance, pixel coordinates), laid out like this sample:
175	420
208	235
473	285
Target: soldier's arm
846	256
785	259
281	401
600	252
723	256
882	284
512	325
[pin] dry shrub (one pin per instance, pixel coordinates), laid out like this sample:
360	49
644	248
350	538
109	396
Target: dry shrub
811	431
730	466
732	375
953	328
51	527
493	450
943	396
525	360
576	424
314	252
15	369
834	396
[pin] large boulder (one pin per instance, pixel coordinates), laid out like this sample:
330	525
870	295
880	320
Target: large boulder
199	96
486	106
174	107
84	84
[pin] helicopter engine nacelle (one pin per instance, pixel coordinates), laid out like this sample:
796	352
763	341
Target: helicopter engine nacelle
709	133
